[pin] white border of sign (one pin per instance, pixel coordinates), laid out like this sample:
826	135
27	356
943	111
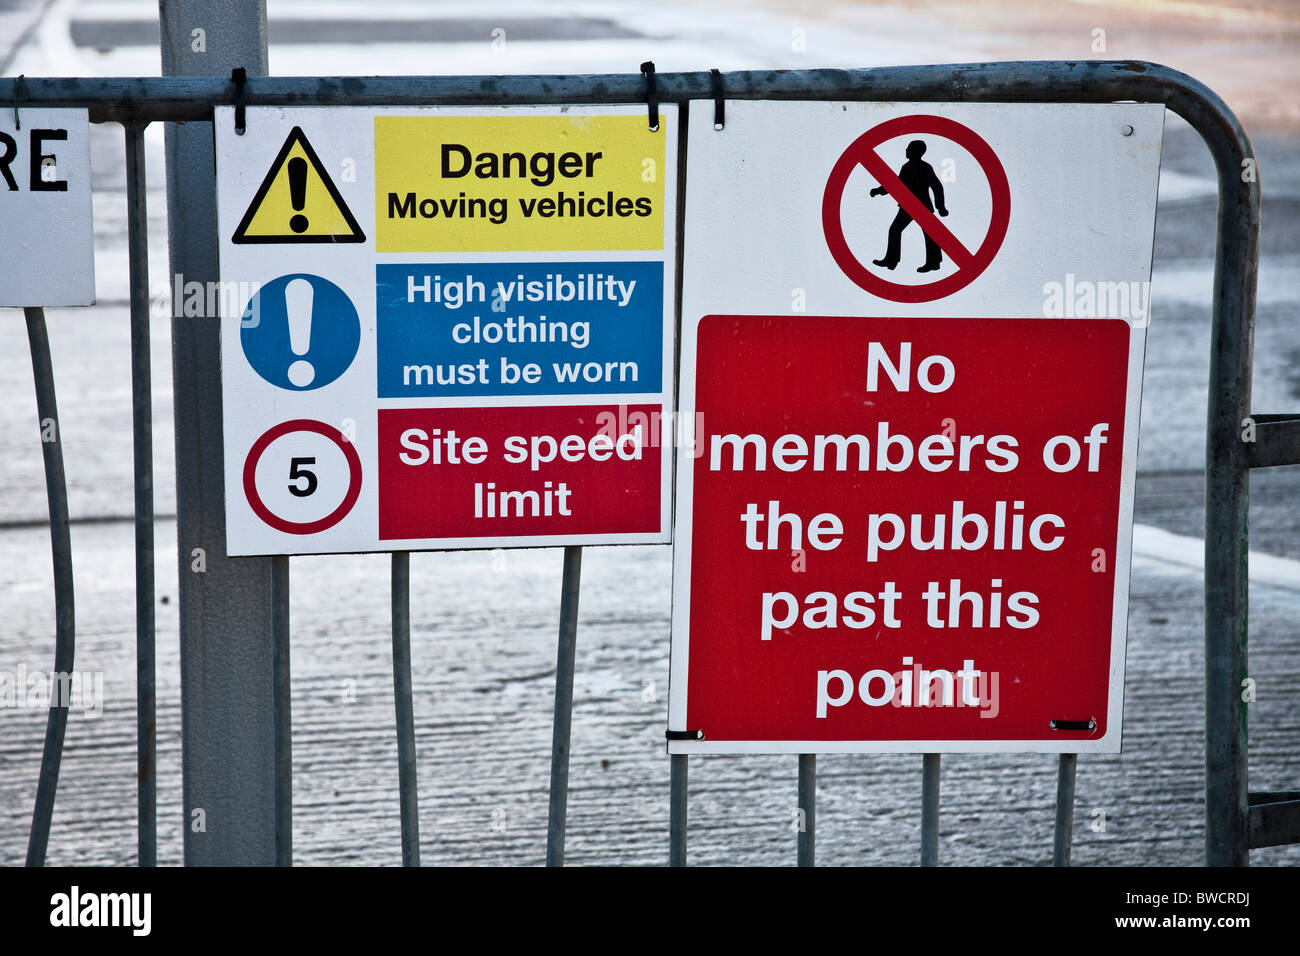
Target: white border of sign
714	216
337	132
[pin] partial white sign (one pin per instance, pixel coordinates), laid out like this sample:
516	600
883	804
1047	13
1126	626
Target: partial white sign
48	255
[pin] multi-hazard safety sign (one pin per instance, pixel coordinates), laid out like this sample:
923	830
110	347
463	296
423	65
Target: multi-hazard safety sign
446	328
48	256
912	342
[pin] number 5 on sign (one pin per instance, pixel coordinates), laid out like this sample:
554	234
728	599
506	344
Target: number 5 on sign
302	477
297	470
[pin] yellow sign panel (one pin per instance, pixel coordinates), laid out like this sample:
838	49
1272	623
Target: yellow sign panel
518	183
297	201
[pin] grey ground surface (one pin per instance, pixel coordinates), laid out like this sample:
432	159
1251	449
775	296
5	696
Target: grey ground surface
483	639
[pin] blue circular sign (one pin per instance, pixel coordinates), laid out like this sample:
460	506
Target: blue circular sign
300	332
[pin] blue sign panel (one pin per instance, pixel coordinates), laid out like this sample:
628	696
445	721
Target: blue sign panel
536	328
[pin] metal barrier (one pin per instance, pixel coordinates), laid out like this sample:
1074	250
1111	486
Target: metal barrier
1236	819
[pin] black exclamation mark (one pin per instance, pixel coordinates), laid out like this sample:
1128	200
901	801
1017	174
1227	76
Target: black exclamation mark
298	192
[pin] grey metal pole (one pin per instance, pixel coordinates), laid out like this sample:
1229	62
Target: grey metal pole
56	491
281	705
137	227
408	788
230	755
930	810
1064	832
677	809
562	721
808	809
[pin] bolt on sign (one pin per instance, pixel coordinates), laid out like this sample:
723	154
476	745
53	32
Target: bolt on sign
45	208
445	327
912	344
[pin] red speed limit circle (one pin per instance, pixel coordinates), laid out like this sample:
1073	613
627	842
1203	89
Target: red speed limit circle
302	527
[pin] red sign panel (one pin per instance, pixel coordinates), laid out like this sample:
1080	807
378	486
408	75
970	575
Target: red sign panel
519	471
906	531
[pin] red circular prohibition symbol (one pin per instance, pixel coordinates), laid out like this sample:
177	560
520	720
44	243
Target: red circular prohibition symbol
862	151
302	527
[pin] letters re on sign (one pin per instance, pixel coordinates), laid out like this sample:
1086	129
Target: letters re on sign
446	328
49	251
912	343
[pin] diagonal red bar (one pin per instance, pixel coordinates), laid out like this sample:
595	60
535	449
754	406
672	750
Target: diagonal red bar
924	218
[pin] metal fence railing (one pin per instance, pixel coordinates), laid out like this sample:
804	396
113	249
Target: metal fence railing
1236	819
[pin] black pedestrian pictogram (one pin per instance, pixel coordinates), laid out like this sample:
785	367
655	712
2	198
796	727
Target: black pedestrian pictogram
920	179
968	263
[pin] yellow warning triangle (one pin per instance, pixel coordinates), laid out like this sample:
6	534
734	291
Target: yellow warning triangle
297	201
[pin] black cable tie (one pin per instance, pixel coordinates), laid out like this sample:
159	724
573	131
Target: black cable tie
719	100
239	77
684	734
1088	724
18	95
651	94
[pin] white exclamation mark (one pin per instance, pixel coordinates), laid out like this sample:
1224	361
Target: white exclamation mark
298	295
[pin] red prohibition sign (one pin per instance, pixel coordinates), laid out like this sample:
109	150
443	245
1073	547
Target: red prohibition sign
862	152
302	527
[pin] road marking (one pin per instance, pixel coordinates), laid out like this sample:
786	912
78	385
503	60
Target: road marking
1161	545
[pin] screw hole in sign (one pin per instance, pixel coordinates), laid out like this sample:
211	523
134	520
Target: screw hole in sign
862	152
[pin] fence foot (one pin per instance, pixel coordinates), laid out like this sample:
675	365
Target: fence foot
930	810
563	716
677	810
807	812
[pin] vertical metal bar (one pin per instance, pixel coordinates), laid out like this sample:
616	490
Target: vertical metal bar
930	810
282	706
137	227
56	492
563	716
807	809
1227	498
677	809
1063	836
229	747
678	766
408	789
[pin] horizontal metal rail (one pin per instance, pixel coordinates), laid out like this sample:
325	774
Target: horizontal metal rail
1277	441
183	98
1274	818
